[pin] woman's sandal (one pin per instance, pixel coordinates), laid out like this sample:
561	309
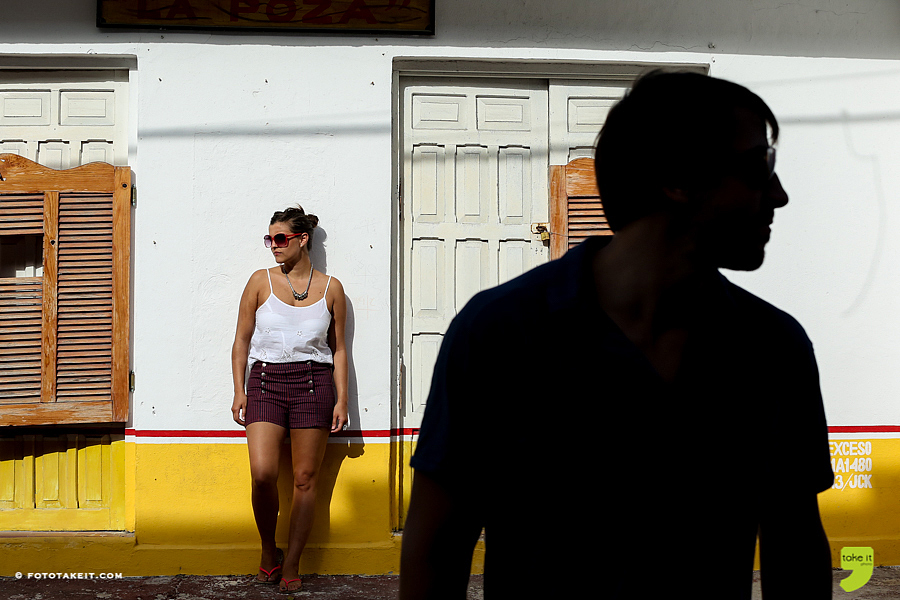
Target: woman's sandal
285	585
271	576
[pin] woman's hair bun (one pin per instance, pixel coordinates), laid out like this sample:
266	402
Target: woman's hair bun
297	220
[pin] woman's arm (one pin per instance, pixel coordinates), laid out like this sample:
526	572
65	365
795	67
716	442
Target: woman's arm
241	348
339	350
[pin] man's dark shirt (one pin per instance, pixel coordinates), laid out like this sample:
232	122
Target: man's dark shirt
588	469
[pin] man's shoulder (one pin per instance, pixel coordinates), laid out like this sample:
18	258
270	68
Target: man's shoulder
764	317
538	292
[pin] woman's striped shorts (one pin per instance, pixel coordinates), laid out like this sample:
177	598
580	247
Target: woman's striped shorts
294	395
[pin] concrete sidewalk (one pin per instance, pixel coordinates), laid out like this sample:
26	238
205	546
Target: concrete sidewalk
196	587
884	585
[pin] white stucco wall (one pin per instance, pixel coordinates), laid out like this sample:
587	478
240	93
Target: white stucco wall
226	129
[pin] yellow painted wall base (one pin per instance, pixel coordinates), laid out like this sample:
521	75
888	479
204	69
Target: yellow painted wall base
188	511
861	508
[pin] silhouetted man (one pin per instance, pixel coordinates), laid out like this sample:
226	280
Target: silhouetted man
624	422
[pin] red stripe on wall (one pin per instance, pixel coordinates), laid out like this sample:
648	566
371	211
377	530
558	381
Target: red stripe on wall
864	429
201	433
409	431
183	433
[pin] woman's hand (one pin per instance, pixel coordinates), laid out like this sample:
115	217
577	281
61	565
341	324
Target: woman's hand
338	307
340	418
239	408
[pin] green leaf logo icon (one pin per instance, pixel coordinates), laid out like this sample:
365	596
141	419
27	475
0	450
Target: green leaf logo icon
860	560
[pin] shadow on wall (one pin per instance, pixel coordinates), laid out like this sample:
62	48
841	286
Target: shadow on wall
319	256
336	452
317	253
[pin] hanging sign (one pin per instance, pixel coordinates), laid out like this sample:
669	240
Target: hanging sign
361	16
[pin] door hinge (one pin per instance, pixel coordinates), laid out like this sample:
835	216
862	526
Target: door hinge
134	196
131	381
400	388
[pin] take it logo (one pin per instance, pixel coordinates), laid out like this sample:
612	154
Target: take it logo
861	561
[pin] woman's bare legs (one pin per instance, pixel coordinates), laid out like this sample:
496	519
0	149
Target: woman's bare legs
307	452
264	441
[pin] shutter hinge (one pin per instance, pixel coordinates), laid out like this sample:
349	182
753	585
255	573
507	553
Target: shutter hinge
134	196
131	381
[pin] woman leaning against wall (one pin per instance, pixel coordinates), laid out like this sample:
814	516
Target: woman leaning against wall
291	331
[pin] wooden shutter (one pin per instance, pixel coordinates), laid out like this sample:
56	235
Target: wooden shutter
576	211
69	327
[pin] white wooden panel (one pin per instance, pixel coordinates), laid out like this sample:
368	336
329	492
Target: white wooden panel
504	114
87	108
54	154
439	112
473	270
66	107
423	354
19	147
515	259
580	152
25	108
577	113
484	189
428	198
514	185
587	115
428	268
473	184
96	151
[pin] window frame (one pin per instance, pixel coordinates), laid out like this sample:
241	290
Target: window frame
21	175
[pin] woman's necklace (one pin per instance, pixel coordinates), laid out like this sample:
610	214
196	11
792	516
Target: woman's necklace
306	291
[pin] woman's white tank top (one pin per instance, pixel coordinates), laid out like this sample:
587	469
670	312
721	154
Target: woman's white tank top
286	333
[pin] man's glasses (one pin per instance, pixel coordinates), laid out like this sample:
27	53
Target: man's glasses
280	240
755	167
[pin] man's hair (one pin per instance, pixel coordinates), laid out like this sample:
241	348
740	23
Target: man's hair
670	130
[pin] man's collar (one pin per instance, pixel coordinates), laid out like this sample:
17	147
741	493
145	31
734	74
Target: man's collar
574	282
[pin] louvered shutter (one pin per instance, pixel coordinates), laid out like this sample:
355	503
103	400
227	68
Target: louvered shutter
576	211
64	337
20	307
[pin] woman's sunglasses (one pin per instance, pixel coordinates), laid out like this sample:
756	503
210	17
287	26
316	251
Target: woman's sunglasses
279	240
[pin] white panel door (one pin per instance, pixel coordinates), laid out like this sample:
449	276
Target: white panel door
475	165
476	156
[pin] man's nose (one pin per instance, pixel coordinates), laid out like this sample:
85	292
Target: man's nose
776	193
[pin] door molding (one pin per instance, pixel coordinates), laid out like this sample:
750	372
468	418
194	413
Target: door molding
530	68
